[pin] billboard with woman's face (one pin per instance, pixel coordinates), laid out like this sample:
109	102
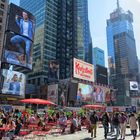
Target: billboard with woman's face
13	83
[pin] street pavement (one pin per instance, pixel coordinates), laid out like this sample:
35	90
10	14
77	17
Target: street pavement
81	135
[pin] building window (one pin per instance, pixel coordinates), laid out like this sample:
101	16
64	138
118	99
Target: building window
1	13
3	0
2	6
0	19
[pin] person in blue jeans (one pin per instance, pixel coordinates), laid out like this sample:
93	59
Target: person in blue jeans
116	124
26	35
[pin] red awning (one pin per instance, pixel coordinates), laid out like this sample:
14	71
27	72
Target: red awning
37	101
94	106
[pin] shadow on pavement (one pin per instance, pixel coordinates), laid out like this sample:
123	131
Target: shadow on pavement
87	139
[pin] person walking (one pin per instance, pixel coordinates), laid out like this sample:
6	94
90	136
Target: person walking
123	122
139	121
93	121
133	125
116	124
105	122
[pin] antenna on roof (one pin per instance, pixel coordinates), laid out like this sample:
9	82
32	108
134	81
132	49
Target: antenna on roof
118	4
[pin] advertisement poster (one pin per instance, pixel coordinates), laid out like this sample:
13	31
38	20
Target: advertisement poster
83	70
53	93
53	73
13	83
18	50
19	37
84	93
99	94
134	86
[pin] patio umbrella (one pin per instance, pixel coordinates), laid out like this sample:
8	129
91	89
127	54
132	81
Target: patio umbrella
94	106
37	101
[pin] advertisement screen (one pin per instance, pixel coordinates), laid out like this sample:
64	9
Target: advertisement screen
53	73
53	93
13	83
21	22
18	50
134	85
83	70
84	93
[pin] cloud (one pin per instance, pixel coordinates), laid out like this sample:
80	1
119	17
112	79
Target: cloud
138	0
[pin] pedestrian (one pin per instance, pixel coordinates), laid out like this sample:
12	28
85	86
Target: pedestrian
133	125
139	121
93	121
105	122
116	124
123	122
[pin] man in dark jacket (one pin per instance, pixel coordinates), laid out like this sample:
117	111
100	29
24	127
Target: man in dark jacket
93	121
105	122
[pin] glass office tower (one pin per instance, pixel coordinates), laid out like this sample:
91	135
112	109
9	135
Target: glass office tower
98	57
55	37
83	32
122	56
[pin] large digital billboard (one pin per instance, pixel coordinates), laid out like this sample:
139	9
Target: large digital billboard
13	83
84	93
21	22
18	50
19	37
53	93
83	70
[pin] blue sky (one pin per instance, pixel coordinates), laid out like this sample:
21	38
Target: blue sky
99	11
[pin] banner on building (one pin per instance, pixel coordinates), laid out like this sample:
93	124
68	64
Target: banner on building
134	85
13	83
53	93
83	70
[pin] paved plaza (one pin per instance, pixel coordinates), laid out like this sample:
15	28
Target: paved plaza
81	135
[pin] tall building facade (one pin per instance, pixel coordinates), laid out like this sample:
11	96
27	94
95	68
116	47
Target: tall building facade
98	57
55	37
122	56
3	16
83	32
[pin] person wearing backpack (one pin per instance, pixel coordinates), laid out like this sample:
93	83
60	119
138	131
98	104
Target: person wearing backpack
116	124
93	121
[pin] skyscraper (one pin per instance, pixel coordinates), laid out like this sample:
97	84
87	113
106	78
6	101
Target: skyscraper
3	16
98	57
83	32
55	36
122	56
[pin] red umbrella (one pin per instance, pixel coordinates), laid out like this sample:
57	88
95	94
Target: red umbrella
94	106
37	101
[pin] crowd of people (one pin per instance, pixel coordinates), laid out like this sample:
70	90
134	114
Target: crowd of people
113	123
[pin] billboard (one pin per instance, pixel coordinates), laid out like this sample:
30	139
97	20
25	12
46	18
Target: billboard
101	75
19	37
21	22
83	70
84	93
13	83
53	93
134	85
16	50
53	73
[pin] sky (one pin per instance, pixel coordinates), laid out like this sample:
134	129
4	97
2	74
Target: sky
99	11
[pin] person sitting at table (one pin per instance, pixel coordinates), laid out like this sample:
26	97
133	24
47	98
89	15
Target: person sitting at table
63	122
11	125
18	127
74	125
